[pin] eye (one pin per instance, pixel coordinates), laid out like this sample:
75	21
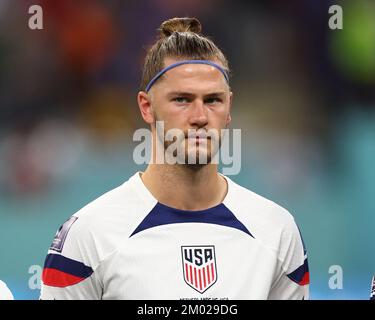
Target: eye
181	100
213	100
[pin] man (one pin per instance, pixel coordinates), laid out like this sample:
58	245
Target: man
5	293
180	231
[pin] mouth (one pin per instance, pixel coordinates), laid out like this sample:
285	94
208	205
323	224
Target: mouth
198	139
197	135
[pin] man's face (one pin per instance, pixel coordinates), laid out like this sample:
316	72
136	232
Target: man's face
193	96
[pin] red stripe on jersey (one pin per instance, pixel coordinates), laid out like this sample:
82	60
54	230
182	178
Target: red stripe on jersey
191	274
200	279
195	278
204	277
208	274
305	280
212	271
56	278
187	272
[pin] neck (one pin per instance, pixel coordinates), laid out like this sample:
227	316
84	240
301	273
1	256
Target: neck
184	187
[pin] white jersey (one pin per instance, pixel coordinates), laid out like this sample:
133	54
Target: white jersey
5	293
127	245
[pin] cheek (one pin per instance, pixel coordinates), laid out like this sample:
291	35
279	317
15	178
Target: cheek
219	118
173	118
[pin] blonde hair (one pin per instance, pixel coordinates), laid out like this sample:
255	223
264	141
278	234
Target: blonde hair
181	39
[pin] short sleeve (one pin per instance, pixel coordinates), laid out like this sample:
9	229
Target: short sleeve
69	268
293	278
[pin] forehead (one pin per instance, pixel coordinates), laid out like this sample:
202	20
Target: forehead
193	77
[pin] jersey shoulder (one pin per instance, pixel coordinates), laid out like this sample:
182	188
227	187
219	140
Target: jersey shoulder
268	222
100	226
124	205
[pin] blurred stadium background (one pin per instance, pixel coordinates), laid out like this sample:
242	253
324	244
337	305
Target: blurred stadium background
304	98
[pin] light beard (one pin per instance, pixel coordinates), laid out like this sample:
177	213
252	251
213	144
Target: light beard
212	147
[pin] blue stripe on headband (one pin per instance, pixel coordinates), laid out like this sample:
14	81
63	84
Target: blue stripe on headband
173	65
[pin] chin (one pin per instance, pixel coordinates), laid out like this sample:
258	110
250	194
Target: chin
204	154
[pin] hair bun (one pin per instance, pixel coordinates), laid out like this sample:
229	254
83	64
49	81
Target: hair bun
179	25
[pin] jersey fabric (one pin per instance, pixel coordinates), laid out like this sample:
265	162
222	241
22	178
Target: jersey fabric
127	245
5	293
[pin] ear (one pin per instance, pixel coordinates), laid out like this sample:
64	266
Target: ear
229	118
144	104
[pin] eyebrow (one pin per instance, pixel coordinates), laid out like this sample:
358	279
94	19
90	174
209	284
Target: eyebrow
189	94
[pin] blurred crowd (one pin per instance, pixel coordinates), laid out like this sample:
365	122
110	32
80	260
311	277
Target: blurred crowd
73	84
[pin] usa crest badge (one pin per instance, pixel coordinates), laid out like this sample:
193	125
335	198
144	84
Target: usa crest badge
199	267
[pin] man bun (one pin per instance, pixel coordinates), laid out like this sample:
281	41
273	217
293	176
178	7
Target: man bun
170	26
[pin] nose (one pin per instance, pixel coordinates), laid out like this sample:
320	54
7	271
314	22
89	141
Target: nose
198	116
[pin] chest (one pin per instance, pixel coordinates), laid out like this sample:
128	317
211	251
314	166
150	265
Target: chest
200	263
